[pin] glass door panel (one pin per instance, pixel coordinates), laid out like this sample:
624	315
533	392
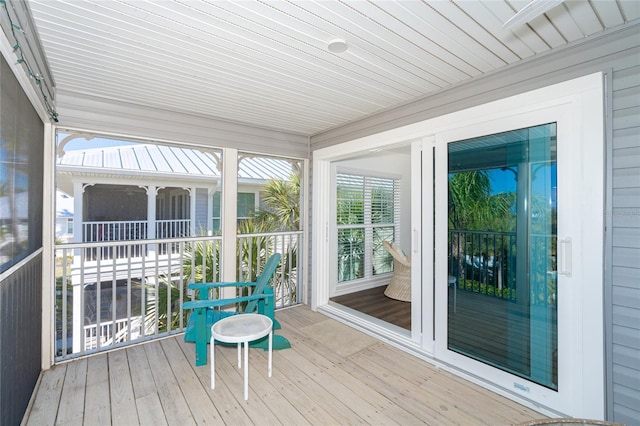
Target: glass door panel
502	305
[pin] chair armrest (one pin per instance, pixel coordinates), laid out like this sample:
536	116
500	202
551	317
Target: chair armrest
207	286
195	304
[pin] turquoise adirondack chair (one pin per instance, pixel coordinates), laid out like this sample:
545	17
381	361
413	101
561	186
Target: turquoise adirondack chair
207	311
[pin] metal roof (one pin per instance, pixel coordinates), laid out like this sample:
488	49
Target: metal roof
150	159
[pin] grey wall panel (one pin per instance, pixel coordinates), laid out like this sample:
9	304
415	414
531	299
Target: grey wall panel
626	415
626	177
626	337
624	355
623	256
628	198
625	398
626	158
20	338
626	118
95	114
626	98
628	237
627	316
625	277
626	296
625	138
627	383
625	261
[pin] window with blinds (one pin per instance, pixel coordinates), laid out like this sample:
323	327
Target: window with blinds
367	214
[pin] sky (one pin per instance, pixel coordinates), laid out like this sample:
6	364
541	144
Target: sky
81	143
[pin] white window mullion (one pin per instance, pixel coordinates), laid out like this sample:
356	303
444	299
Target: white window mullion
396	210
368	230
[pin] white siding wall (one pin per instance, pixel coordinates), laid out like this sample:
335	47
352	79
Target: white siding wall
617	54
201	210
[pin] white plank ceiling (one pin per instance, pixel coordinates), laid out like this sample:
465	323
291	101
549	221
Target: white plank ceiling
266	63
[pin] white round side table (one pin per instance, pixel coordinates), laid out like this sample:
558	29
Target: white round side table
241	329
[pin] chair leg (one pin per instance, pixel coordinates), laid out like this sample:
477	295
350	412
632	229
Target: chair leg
201	337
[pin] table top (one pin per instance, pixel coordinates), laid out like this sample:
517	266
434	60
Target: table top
241	328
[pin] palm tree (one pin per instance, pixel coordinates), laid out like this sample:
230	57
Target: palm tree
253	251
473	206
281	205
280	211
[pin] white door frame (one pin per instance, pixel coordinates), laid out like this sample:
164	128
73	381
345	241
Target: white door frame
582	102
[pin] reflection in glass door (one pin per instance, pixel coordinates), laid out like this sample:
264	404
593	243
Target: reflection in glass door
502	252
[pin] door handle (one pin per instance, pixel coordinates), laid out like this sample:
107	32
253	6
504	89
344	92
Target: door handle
415	240
564	254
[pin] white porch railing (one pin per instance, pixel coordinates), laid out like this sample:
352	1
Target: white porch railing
100	231
111	333
130	230
120	230
105	302
173	228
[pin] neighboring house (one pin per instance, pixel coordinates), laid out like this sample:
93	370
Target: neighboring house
64	217
144	191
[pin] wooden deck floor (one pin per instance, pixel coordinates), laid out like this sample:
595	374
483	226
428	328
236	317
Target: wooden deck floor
332	375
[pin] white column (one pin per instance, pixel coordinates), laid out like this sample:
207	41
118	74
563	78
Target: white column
151	211
210	192
78	215
48	258
192	211
229	222
152	192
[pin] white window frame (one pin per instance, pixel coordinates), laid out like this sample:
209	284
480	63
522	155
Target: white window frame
369	280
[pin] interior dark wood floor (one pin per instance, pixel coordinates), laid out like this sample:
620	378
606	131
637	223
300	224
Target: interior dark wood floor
373	302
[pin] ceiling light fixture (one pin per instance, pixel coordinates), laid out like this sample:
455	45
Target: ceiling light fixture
337	45
531	11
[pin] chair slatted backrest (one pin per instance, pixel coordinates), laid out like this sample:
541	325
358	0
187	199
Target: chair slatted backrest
262	282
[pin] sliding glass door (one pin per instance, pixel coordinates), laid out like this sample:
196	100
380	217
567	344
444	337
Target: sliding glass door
502	251
512	237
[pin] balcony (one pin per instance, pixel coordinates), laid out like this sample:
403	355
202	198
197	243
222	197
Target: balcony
333	374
